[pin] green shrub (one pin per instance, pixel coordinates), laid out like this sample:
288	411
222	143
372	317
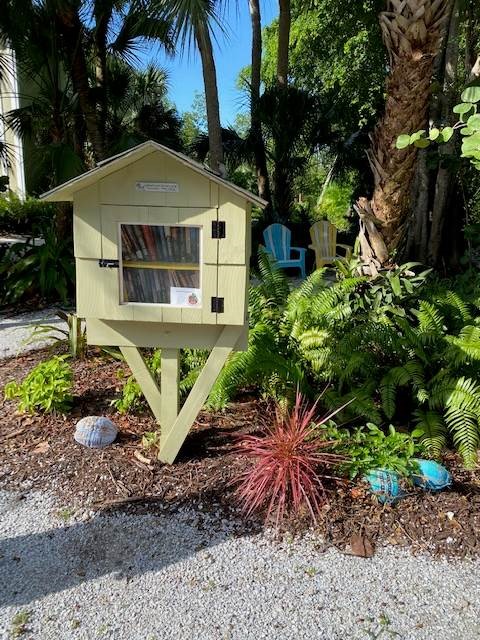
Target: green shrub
46	388
24	216
46	270
335	203
368	448
402	347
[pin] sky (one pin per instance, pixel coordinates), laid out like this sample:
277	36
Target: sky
232	53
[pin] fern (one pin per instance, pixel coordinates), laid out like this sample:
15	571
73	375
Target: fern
430	320
466	346
431	426
464	427
411	372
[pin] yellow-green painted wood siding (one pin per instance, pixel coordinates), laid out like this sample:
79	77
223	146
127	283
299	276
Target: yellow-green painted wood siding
97	292
87	231
151	334
232	286
232	248
120	186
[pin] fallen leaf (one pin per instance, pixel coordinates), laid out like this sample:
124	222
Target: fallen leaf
142	458
42	447
361	546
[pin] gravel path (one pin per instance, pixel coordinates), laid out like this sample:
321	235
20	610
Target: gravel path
15	330
184	575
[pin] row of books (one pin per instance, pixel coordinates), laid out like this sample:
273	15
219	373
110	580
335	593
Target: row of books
153	285
158	243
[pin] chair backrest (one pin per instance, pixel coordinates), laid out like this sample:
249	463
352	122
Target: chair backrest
324	237
277	239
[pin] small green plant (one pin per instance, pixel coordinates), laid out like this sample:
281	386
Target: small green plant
132	397
47	388
151	440
65	514
75	333
368	448
19	623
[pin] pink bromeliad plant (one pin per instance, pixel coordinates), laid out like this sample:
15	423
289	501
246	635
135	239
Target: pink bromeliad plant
287	458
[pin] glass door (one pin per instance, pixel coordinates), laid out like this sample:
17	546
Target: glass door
160	264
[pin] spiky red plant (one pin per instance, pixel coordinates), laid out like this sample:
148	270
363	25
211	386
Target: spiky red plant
285	473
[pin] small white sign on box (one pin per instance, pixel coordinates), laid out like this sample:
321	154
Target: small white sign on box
185	297
162	187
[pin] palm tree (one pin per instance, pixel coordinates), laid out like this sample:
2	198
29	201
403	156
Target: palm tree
47	117
284	23
263	183
118	29
194	21
136	108
412	32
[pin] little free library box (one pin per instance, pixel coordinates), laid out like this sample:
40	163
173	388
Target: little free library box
162	250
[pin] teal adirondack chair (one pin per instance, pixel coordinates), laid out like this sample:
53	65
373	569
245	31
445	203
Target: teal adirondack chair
277	239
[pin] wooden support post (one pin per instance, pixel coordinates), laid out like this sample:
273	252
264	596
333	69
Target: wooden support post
145	379
172	440
170	373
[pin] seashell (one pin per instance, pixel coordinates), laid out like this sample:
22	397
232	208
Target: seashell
431	475
95	431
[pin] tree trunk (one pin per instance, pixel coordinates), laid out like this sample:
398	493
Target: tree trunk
445	175
102	20
204	42
72	32
412	32
284	21
263	183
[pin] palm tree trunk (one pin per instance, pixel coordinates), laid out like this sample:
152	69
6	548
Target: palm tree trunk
204	42
284	22
72	31
412	32
263	182
445	175
102	20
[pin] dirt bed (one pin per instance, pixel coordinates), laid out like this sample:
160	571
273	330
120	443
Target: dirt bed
38	452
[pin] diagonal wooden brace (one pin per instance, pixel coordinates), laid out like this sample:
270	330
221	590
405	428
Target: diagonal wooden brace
145	379
172	439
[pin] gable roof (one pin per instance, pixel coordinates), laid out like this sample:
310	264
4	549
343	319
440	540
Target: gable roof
65	191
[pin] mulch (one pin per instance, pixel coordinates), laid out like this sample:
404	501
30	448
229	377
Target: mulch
38	452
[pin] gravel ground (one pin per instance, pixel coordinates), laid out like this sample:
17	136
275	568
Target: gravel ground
187	575
15	330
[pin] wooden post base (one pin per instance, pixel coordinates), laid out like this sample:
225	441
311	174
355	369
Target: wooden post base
175	424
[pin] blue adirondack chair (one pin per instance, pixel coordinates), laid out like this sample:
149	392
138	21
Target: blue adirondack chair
277	239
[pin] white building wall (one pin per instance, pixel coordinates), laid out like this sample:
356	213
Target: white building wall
9	99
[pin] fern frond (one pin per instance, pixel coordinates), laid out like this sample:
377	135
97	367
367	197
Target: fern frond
465	433
466	346
434	431
273	281
458	306
430	320
411	372
363	405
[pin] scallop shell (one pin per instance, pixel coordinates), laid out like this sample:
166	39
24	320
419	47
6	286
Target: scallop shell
95	431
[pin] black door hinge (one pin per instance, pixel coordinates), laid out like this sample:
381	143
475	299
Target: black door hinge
218	228
111	264
217	305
